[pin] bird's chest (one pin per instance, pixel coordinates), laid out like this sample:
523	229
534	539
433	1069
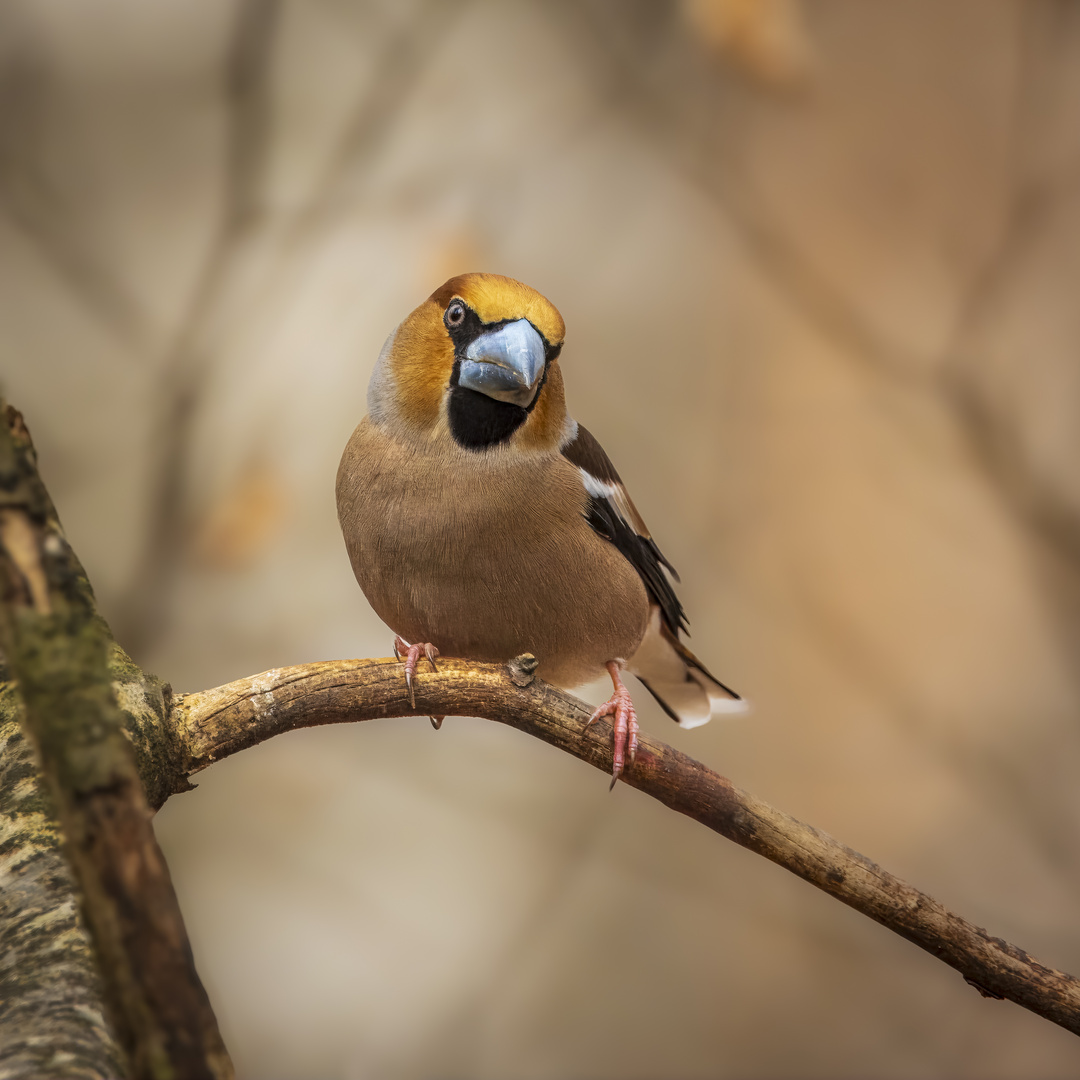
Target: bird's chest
446	543
453	526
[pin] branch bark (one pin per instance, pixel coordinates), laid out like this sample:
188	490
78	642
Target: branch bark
216	723
52	1017
59	652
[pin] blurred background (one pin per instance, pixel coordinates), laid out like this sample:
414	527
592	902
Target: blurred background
818	261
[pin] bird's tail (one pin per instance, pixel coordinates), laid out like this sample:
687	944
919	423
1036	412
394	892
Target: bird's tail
678	680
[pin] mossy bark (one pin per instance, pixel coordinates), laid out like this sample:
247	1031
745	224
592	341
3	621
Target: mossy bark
52	1013
53	1019
70	677
145	703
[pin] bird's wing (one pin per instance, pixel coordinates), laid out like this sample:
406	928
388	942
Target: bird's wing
612	514
683	686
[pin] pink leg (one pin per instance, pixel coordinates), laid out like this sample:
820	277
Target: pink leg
412	654
625	736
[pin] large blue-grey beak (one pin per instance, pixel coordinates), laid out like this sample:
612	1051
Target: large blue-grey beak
506	364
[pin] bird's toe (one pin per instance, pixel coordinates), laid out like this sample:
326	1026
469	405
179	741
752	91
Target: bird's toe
412	654
620	707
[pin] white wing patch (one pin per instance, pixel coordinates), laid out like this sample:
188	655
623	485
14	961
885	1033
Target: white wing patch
597	488
616	495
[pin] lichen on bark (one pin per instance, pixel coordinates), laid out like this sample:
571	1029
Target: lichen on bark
52	1022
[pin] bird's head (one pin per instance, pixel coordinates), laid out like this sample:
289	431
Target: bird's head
475	362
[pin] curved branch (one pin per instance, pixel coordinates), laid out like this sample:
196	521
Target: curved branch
216	723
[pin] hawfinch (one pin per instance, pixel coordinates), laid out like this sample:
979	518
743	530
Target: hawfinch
482	521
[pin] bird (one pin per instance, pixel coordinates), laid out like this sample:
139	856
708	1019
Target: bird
483	521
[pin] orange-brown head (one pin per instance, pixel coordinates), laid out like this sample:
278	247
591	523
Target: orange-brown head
477	362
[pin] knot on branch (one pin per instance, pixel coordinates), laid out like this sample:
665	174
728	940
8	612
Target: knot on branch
523	669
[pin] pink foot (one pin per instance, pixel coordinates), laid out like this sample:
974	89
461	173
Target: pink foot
412	654
621	706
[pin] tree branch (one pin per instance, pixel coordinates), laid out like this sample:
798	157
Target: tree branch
59	650
214	724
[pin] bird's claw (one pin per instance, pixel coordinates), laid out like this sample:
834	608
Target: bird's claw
412	654
624	728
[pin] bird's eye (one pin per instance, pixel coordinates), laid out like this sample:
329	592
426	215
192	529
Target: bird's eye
455	313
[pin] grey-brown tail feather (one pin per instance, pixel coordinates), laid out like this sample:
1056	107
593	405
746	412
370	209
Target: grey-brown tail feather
683	687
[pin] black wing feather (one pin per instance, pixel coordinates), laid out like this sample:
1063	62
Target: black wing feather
604	517
643	554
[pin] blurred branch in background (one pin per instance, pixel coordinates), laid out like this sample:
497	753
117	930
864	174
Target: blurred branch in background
1018	425
144	612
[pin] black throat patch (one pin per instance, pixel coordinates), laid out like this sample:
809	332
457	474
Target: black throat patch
478	421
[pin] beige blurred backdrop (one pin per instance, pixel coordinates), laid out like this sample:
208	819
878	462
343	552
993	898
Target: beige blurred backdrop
818	261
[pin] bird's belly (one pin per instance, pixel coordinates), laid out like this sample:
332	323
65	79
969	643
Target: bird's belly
490	574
